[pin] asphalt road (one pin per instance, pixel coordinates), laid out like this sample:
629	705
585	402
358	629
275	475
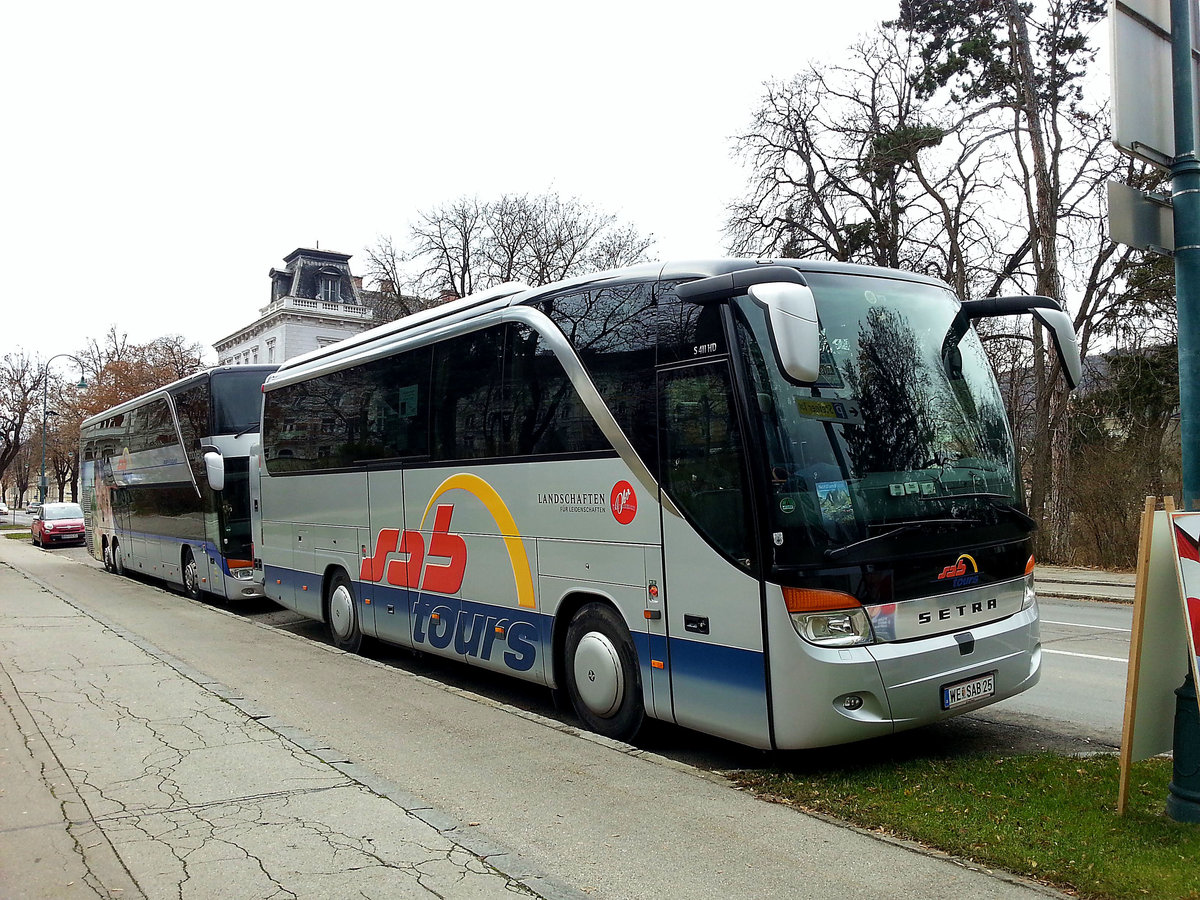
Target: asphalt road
1077	707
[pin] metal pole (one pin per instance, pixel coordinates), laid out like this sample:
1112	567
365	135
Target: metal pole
42	479
1183	802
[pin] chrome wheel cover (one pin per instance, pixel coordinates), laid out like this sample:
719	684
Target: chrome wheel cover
599	678
341	612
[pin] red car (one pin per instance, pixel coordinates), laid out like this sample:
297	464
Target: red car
58	523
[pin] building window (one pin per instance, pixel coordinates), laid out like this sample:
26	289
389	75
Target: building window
331	289
271	350
254	355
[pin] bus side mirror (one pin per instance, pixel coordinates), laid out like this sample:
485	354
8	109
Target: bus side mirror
1066	342
790	307
214	468
1046	311
795	333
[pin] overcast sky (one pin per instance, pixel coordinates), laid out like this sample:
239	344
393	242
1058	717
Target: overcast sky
160	158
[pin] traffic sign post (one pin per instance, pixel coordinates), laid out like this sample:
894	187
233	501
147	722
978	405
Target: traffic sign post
1148	35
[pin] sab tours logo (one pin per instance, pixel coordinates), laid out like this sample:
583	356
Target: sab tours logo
623	502
403	559
959	573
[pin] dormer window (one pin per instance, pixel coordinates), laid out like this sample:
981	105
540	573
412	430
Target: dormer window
330	286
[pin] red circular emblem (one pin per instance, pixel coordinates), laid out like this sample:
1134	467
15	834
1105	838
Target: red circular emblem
623	502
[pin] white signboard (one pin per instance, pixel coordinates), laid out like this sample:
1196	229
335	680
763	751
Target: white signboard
1143	120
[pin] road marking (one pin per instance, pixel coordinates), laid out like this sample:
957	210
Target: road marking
1119	659
1097	627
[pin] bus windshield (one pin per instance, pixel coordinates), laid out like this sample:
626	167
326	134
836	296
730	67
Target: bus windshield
237	400
901	447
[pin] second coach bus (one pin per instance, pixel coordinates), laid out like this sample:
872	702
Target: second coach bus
165	482
776	502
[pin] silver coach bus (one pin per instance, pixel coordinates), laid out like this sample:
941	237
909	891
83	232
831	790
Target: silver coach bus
166	482
773	501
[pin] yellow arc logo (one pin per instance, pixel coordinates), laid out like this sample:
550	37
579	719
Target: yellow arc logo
492	502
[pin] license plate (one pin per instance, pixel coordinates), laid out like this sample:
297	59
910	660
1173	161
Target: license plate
968	691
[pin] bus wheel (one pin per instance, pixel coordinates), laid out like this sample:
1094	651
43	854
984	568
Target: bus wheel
118	563
108	557
341	615
191	575
602	673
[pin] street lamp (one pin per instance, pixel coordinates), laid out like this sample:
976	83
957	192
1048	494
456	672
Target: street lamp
45	390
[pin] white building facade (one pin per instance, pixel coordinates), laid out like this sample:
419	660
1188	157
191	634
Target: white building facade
315	301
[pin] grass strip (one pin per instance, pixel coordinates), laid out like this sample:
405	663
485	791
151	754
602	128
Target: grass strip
1051	818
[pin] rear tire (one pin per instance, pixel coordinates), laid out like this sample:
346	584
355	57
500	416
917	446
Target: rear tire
191	575
118	564
341	614
107	554
602	674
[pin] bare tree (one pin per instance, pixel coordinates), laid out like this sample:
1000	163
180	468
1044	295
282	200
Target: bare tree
470	244
848	163
117	369
393	294
20	396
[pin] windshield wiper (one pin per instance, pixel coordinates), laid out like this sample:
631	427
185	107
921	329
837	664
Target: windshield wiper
839	552
246	430
1000	502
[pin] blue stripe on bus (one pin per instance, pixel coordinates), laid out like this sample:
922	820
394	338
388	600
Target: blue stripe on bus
718	665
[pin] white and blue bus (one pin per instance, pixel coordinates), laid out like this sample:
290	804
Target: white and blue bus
773	501
165	482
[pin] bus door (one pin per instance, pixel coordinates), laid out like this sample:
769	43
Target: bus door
712	597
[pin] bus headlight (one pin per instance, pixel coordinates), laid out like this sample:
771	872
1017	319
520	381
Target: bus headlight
827	618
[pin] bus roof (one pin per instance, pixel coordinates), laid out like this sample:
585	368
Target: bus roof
135	402
514	293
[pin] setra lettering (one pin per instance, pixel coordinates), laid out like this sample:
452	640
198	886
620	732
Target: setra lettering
946	613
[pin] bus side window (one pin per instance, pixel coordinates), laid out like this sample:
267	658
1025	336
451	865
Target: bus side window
614	331
543	413
466	381
703	462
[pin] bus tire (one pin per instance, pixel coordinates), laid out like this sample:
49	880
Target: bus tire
602	676
107	554
118	563
341	614
191	575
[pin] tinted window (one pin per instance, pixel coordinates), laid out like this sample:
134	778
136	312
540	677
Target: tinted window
237	399
543	413
686	330
320	424
398	419
614	331
466	387
192	408
703	465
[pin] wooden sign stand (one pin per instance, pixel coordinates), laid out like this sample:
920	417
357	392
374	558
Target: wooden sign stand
1157	644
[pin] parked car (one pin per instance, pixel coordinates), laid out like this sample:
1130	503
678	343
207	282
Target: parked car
58	523
3	508
33	509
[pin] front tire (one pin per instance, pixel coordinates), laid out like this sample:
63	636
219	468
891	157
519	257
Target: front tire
602	675
191	575
107	553
118	563
341	614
